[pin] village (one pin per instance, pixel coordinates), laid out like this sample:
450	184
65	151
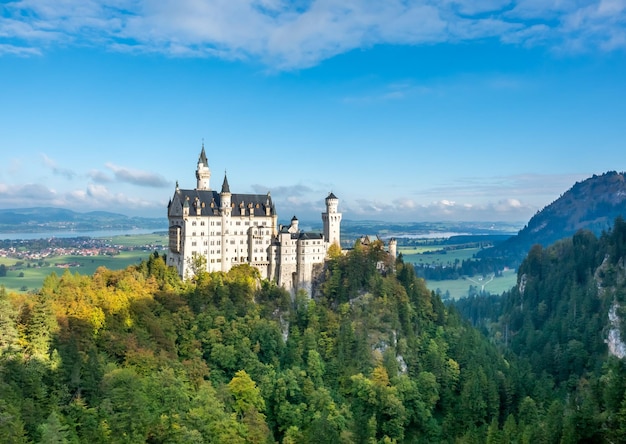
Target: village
35	252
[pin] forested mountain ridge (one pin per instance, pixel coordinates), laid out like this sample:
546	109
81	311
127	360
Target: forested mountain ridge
137	355
592	204
567	318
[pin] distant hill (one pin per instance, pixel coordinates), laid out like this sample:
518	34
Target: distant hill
36	219
592	204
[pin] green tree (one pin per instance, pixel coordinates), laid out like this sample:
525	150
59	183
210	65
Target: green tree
53	431
8	325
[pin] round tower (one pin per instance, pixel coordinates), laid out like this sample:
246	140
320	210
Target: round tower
332	220
293	228
203	173
393	248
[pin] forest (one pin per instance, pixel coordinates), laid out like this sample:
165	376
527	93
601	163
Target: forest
139	356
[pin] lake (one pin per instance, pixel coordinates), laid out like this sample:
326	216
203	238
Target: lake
96	233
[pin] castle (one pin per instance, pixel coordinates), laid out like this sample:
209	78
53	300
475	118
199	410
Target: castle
219	230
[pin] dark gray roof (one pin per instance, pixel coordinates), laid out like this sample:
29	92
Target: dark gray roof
225	186
202	157
255	202
310	235
331	195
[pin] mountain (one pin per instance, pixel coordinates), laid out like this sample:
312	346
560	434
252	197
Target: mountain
39	219
592	204
566	318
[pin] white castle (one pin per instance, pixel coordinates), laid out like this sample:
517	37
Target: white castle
222	229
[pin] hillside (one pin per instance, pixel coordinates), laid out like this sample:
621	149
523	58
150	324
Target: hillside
137	356
567	318
592	204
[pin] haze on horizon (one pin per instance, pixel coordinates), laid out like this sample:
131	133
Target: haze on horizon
407	111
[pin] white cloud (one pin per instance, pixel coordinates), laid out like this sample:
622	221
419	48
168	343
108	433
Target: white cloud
94	197
99	176
286	35
59	171
137	177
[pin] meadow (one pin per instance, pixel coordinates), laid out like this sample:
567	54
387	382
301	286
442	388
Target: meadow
29	277
457	288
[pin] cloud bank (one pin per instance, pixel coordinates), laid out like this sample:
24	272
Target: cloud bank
286	34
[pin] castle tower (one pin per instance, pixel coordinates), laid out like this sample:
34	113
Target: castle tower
293	228
393	248
203	173
332	220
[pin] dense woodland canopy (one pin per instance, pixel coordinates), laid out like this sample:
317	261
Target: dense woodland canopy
137	355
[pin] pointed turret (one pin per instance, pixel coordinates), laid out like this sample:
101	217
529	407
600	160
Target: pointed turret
202	159
203	173
225	196
225	186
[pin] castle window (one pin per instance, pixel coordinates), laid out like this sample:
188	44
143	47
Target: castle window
193	234
193	224
202	223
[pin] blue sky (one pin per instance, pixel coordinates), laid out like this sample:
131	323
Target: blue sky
407	110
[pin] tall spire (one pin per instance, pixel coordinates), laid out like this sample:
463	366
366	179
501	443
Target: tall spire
225	186
203	173
203	158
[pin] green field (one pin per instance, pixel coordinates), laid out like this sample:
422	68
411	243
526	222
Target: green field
457	288
139	240
460	287
33	276
421	255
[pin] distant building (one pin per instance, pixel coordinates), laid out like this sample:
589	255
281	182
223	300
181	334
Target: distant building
223	229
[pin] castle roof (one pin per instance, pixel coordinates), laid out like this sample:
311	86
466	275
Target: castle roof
331	195
225	186
210	202
202	159
310	235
